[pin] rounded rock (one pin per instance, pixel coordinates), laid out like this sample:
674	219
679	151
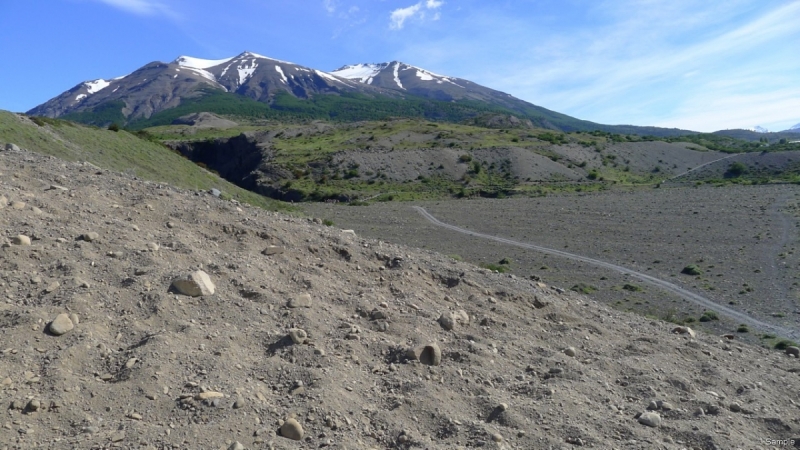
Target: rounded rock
60	325
291	429
793	351
21	239
569	351
650	419
297	335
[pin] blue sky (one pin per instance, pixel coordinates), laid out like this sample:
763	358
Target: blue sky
699	65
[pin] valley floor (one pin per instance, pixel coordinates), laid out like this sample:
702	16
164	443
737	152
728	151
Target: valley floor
743	239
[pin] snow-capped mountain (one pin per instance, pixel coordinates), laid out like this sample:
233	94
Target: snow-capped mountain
418	81
160	86
759	129
795	128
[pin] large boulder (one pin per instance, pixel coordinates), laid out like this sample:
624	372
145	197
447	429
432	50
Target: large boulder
195	284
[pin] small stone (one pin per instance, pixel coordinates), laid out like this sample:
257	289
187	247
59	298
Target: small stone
60	325
793	351
699	412
17	205
33	405
297	335
291	429
12	147
684	330
502	407
650	419
152	246
735	407
75	319
208	395
497	437
300	301
430	354
652	406
461	317
569	351
21	239
130	363
118	436
52	287
447	321
666	406
135	416
90	236
272	250
194	284
236	446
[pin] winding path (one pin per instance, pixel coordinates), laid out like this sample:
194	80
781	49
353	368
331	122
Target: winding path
665	285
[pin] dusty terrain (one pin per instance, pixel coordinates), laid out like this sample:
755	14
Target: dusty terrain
744	239
521	365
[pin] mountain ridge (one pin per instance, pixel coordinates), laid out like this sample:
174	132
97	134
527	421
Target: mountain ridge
157	87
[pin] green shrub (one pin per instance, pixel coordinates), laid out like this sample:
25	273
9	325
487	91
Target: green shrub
632	287
583	288
782	344
114	127
495	267
456	257
327	222
743	329
505	261
709	316
735	170
465	158
691	269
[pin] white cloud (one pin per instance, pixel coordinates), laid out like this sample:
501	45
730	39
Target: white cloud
142	7
329	5
398	17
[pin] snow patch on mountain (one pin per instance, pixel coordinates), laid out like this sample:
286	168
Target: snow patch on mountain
283	76
759	129
364	73
328	76
397	75
96	85
203	73
246	72
424	76
80	97
795	128
256	55
199	63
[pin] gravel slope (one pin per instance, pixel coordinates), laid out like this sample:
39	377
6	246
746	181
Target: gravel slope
519	365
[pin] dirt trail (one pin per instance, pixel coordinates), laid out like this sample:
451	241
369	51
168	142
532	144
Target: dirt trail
770	257
665	285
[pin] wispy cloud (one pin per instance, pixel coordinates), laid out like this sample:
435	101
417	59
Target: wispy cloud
142	7
329	5
667	64
398	17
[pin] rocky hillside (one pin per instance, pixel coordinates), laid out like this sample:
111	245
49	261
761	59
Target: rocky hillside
134	314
